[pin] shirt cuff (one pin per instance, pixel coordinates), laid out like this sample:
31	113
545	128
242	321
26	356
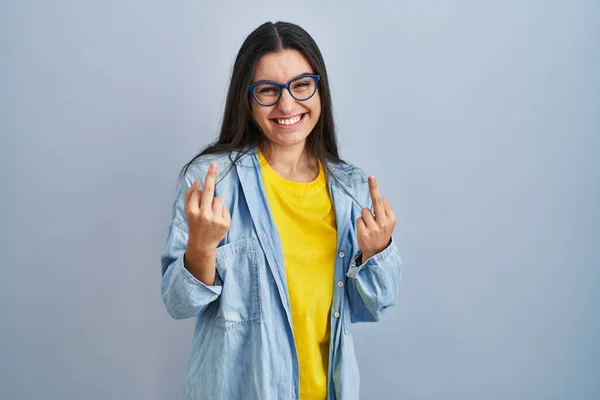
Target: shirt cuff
358	264
192	280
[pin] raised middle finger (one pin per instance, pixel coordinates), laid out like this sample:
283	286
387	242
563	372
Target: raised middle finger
208	191
376	198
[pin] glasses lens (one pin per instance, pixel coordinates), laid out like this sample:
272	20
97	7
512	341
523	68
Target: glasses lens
303	87
266	93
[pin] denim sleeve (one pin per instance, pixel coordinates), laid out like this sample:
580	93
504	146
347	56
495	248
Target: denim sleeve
183	295
373	285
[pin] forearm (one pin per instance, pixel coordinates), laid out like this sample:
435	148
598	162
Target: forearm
183	294
201	262
374	284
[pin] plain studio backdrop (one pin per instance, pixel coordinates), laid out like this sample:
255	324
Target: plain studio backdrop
481	120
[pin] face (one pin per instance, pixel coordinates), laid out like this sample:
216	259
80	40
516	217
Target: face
289	122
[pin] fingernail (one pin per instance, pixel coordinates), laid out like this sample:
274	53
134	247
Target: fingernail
212	167
372	179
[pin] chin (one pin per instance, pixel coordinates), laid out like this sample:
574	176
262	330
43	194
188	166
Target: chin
288	139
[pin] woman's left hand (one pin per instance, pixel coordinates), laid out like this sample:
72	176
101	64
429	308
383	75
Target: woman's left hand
373	232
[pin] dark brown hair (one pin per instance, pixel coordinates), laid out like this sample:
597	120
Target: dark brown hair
239	131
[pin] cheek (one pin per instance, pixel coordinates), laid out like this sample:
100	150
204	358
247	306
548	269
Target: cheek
255	112
315	109
315	104
260	114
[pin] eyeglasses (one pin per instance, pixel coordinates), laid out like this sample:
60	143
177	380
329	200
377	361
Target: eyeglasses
268	93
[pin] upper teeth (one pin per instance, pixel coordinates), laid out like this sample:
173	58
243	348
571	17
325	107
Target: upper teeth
290	121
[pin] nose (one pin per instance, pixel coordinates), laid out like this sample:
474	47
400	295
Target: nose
286	102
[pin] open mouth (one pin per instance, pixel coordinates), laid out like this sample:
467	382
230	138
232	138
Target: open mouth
289	122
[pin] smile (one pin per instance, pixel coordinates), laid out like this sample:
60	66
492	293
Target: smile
290	121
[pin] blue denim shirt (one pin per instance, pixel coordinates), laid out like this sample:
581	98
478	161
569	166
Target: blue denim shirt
243	344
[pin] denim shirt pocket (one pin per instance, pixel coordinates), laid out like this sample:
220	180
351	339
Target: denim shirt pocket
237	267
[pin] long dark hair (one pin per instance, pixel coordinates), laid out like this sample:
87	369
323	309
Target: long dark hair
239	131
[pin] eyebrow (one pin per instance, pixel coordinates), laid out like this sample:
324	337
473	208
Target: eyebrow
271	80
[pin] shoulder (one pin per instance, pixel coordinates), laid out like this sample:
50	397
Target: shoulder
347	173
198	168
352	181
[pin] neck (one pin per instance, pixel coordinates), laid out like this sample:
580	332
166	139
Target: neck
290	162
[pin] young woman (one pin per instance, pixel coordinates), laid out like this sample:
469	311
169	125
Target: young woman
276	245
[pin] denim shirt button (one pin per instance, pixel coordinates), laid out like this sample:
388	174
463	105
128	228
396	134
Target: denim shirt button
340	284
336	314
342	254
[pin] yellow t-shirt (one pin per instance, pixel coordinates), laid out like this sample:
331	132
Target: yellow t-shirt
305	219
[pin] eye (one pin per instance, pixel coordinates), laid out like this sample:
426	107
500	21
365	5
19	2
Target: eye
266	90
303	84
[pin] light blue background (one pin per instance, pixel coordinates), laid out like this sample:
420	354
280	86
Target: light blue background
481	120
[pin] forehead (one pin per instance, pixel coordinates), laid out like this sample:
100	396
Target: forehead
281	66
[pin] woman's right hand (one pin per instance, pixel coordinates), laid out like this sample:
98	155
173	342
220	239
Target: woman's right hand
207	217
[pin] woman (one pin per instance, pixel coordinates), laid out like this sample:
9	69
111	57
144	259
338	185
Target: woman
278	251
